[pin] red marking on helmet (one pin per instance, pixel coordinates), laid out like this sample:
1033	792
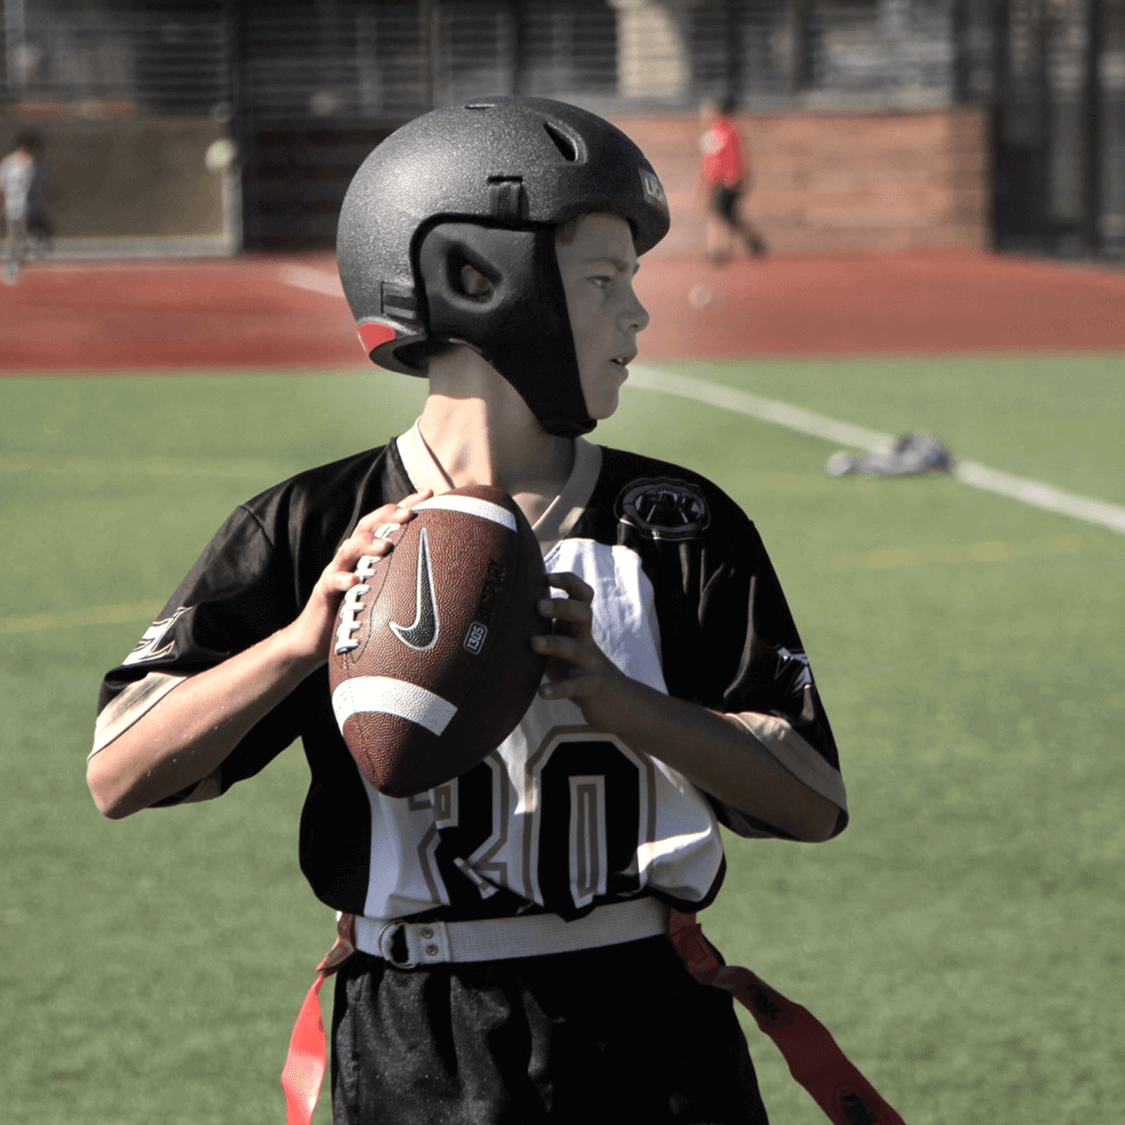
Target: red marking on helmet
373	335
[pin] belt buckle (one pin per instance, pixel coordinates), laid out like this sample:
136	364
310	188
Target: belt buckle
386	942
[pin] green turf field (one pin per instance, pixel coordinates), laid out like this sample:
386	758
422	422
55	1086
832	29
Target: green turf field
962	938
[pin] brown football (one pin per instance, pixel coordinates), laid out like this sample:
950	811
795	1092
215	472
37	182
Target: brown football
431	666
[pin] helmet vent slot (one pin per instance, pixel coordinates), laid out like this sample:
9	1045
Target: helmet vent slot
562	142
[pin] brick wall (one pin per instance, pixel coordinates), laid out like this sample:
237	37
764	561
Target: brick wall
838	182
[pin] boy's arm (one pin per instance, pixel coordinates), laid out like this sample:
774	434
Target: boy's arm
713	750
191	730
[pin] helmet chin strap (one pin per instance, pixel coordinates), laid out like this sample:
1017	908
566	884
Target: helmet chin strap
519	324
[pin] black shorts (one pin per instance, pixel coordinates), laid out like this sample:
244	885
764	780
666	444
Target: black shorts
724	201
603	1036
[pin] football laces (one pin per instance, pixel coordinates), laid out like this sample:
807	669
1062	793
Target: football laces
352	606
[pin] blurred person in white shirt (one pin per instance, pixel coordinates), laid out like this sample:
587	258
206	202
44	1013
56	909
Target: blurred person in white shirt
23	184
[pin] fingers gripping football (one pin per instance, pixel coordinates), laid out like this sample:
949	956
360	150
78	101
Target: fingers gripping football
578	669
317	622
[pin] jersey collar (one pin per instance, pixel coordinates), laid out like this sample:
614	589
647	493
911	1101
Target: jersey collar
561	514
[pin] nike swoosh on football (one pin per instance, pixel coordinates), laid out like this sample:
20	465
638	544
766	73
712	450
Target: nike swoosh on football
423	633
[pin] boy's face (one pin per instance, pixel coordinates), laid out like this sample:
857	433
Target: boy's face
597	265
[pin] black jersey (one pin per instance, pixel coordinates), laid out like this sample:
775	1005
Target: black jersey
559	817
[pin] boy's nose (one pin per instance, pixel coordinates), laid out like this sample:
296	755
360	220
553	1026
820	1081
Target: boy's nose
635	316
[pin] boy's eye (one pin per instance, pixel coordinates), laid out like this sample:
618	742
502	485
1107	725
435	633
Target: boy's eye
602	282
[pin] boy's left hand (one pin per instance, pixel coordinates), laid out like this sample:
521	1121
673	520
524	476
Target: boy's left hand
578	668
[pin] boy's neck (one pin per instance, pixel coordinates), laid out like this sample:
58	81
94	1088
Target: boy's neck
480	431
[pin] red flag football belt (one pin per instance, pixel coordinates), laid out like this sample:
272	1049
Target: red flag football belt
815	1060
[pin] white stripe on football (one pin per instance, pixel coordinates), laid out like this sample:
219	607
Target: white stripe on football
470	506
382	695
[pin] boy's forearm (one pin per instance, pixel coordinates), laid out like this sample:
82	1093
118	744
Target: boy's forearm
186	736
722	757
713	750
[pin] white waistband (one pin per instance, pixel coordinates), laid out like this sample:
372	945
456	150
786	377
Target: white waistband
498	939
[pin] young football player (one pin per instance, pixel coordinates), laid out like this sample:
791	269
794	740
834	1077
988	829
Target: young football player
492	248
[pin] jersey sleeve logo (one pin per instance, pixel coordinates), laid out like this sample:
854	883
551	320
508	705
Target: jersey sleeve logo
793	671
663	508
423	633
151	646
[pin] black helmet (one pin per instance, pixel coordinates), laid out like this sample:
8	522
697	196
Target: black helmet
486	183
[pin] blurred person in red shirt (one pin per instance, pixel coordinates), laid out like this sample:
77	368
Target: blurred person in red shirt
724	179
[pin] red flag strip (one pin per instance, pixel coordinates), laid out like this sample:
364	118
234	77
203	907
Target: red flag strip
303	1075
815	1059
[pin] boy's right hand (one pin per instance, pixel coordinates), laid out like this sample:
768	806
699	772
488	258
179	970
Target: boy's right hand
310	635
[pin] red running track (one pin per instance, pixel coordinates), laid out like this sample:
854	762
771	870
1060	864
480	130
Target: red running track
247	312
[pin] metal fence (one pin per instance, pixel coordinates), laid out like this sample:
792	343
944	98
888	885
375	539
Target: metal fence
388	62
390	59
878	53
1052	71
99	61
370	62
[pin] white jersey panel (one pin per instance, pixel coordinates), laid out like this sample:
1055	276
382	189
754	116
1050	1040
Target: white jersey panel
402	831
625	626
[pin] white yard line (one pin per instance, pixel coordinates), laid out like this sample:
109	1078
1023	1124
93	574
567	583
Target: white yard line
1041	495
766	409
317	281
1033	492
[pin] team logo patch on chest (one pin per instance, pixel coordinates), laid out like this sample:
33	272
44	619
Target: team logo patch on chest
664	508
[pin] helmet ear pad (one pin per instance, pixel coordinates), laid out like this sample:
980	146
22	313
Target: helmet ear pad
519	324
